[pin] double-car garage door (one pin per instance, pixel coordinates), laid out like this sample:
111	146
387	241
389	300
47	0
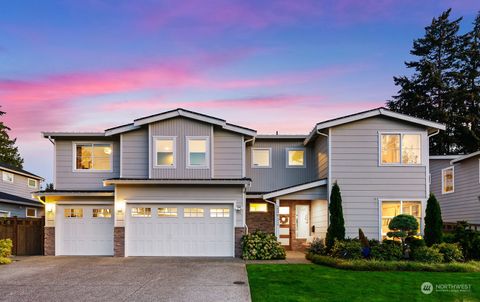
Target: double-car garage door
151	230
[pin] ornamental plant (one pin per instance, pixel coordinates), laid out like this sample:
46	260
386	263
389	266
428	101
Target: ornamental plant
6	246
433	222
336	229
403	226
261	246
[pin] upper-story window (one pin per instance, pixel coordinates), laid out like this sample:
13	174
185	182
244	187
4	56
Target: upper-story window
448	180
93	156
7	176
400	149
32	183
261	157
197	152
165	150
295	157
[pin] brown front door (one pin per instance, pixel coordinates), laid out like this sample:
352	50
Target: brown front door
285	221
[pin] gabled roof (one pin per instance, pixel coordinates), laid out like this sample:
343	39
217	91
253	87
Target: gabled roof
10	168
381	111
463	157
14	199
295	188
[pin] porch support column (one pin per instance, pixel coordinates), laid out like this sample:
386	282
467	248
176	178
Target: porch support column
276	221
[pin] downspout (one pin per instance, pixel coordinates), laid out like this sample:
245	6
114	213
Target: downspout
427	182
276	205
244	175
329	176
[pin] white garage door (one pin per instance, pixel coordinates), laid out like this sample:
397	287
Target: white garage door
179	230
84	230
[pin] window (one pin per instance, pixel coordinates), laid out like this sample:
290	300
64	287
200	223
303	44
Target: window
220	212
393	208
401	149
193	212
258	207
93	156
167	212
8	177
32	183
141	212
165	148
102	213
296	157
4	214
31	212
448	180
261	158
73	213
197	152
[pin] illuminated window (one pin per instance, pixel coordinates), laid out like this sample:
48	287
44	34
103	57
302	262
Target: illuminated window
165	149
399	148
392	208
102	213
167	212
32	183
448	180
73	213
258	207
224	212
8	177
31	212
4	214
93	156
197	150
296	157
141	212
261	158
193	212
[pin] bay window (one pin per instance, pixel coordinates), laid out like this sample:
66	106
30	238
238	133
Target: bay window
400	148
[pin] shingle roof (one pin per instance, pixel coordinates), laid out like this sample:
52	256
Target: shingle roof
19	170
9	198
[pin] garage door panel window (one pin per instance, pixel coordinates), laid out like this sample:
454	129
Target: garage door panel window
73	213
167	212
141	212
193	212
102	213
223	212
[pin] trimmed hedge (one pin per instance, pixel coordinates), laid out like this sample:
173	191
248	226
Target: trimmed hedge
6	246
261	246
376	265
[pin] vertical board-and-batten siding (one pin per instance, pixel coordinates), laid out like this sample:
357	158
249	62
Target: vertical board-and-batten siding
355	166
227	148
19	187
135	154
67	179
279	176
464	202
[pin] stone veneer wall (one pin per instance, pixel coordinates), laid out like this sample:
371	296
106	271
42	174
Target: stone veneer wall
49	241
260	221
119	242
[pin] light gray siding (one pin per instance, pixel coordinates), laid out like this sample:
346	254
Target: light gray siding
227	154
363	182
179	128
19	187
321	156
135	154
308	194
319	218
464	202
278	176
19	210
67	179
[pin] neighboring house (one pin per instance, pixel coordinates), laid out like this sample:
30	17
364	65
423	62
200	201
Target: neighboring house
455	181
180	183
16	187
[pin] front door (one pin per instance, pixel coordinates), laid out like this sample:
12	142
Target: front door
302	220
284	223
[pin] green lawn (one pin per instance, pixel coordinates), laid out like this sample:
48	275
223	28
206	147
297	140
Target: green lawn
309	282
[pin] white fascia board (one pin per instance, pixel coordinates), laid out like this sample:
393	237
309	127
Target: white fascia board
121	129
281	136
21	173
73	194
168	115
174	182
444	157
298	188
72	134
240	130
156	118
413	119
465	157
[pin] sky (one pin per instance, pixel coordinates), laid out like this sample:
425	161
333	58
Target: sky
268	65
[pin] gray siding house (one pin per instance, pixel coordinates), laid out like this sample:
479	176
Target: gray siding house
181	183
455	181
16	187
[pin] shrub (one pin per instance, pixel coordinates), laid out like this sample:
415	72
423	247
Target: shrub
387	251
451	251
6	246
449	237
433	222
347	249
261	246
427	254
317	247
336	229
414	242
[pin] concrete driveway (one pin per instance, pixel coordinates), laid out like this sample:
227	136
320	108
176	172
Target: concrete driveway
123	279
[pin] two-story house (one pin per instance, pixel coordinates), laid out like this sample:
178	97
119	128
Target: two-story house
180	183
16	187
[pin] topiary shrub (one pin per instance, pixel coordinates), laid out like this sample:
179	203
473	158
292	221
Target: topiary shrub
427	254
347	249
387	251
448	237
6	246
414	242
317	247
451	252
261	246
336	228
433	222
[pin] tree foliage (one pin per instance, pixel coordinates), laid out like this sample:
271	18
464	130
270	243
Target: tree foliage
8	151
433	222
336	229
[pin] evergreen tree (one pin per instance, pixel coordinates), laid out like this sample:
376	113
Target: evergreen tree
8	151
429	92
336	229
433	222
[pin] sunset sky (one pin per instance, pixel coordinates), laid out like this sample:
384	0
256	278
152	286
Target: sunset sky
269	65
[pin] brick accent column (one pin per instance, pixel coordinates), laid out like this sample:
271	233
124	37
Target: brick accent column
119	242
49	241
239	232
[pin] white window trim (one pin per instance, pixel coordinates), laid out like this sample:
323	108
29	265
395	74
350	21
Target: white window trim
13	177
296	149
26	212
401	200
207	153
28	183
5	212
74	158
269	158
453	180
401	133
154	144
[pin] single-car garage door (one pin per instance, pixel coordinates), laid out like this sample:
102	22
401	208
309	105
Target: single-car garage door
180	230
84	230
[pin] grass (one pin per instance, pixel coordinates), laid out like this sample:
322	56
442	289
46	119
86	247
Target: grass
308	282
